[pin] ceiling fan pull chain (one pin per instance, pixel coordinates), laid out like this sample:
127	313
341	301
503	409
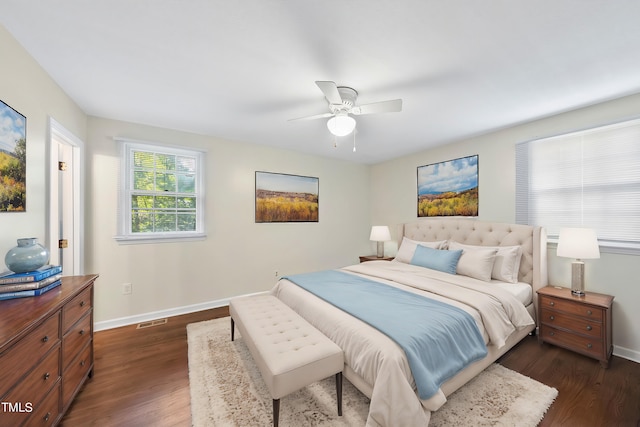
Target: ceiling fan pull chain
354	141
335	141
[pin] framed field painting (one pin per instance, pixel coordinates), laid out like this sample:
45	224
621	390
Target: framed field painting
13	160
449	188
286	198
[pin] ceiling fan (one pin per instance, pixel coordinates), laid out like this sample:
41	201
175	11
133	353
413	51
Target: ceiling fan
342	102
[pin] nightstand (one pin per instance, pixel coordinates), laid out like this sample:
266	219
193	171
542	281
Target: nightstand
366	258
581	324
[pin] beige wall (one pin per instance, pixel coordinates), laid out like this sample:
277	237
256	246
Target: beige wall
239	256
27	88
394	201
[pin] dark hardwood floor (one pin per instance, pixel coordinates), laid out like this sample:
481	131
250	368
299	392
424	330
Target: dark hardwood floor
141	378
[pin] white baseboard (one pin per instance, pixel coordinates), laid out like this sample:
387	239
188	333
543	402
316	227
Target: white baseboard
626	353
176	311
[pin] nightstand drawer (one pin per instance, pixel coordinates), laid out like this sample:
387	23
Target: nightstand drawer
571	323
586	345
568	306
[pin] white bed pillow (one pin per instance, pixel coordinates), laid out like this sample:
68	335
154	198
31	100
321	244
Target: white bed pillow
506	265
476	261
408	248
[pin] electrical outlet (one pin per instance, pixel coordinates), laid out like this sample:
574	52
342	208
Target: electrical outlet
127	288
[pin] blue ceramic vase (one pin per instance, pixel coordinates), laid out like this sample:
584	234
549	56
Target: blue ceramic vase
29	255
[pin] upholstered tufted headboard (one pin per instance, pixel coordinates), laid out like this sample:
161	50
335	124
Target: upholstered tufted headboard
533	240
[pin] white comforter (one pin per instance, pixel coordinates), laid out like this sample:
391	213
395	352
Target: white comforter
381	362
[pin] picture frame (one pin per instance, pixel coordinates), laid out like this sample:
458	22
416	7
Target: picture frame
13	159
448	188
286	198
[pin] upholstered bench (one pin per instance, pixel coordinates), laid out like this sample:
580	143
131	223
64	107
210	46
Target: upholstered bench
289	352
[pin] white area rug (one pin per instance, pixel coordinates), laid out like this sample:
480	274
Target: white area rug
227	390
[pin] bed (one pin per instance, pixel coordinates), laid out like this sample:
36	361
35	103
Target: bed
503	309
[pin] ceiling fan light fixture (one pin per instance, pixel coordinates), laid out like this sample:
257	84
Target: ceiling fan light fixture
341	124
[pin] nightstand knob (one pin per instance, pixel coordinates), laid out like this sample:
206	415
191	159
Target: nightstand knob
589	327
589	312
552	318
589	345
552	303
552	333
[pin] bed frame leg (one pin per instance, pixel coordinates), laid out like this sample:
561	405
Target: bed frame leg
339	392
276	412
233	329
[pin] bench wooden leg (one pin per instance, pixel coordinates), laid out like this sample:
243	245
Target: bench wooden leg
339	392
233	329
276	412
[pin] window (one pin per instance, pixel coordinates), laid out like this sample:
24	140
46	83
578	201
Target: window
161	193
584	179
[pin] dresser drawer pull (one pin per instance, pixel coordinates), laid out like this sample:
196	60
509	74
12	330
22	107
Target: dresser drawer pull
589	312
45	338
46	417
552	303
552	333
82	363
589	327
589	345
552	318
81	303
46	376
81	332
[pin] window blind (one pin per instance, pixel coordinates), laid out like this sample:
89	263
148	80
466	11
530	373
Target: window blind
586	179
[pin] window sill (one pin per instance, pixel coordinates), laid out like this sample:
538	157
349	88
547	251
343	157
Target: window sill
159	238
622	248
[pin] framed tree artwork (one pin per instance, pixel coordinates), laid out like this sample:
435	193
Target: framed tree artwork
286	198
13	161
449	188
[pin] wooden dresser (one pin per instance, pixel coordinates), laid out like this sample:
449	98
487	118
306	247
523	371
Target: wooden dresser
46	352
581	324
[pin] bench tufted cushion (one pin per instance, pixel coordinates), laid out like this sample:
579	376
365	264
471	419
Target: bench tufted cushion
289	352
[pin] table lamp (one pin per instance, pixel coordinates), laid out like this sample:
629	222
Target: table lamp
578	243
380	234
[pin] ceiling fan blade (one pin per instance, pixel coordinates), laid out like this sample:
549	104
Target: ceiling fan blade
330	90
317	116
392	106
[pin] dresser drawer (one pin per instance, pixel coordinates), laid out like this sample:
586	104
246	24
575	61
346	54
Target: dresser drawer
39	381
76	308
76	338
47	412
74	375
21	357
571	323
576	308
586	345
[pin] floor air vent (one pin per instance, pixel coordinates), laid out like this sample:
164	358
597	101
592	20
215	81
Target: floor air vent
151	323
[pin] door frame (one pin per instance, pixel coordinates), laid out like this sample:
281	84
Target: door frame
58	133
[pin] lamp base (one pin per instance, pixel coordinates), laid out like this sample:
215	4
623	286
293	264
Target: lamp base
380	251
577	278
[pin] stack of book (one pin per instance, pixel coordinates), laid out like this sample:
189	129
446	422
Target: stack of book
30	284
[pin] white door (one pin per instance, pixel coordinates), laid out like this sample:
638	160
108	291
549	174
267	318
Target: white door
65	219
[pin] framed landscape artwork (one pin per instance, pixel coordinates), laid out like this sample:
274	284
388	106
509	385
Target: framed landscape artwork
286	198
13	160
449	188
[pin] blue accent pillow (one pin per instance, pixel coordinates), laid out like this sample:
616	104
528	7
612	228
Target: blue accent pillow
437	259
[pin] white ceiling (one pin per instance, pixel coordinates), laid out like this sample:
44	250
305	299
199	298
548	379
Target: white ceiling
240	69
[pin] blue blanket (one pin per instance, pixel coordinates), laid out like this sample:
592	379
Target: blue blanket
438	339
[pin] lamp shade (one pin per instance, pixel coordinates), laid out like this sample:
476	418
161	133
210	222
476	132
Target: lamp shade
578	243
341	124
380	233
